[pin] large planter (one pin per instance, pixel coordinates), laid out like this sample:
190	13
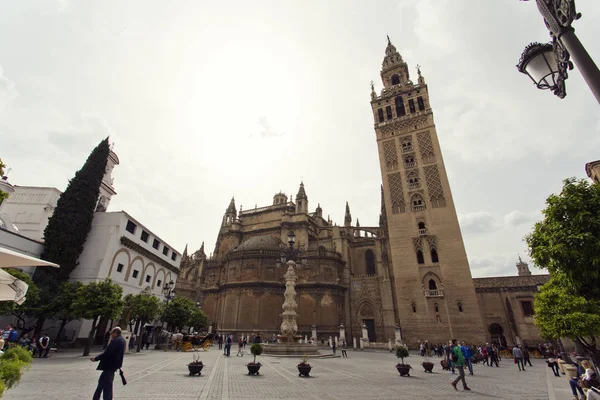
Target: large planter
570	371
428	366
304	369
253	368
403	369
195	369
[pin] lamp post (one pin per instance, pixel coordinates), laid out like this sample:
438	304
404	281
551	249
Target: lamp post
169	293
547	64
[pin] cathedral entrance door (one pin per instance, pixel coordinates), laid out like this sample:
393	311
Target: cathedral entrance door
497	334
370	323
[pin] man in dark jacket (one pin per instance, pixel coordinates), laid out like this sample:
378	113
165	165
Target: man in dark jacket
110	361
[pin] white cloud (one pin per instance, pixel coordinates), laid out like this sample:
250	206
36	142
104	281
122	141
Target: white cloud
8	91
517	218
477	222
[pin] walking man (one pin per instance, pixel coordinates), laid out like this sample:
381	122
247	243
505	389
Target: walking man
459	362
449	356
518	355
468	357
344	354
526	357
110	361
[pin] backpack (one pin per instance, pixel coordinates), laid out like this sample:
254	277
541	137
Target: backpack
454	355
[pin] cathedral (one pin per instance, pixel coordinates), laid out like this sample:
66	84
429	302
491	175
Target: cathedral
409	273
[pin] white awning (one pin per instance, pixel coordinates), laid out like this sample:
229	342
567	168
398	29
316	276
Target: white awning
9	258
11	288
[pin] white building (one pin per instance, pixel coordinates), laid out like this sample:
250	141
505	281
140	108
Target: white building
30	208
120	248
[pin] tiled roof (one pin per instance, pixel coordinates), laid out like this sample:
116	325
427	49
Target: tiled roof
510	281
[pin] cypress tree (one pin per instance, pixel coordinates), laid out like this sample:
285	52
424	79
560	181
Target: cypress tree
67	229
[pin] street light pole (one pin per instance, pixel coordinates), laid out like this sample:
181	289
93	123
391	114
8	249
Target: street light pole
169	293
550	71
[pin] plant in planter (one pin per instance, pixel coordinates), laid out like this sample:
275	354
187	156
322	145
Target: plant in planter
195	366
403	369
428	365
253	366
304	367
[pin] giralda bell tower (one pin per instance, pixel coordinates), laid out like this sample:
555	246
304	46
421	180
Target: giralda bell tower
434	289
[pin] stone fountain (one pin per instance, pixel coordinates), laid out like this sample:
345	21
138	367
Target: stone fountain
287	342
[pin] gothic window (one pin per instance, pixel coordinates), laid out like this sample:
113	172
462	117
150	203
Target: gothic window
417	203
388	112
414	307
421	225
460	307
411	106
420	103
437	308
432	284
400	110
420	258
395	79
380	114
370	261
410	162
434	256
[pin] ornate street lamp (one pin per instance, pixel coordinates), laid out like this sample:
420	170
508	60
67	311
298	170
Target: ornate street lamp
290	252
169	291
547	64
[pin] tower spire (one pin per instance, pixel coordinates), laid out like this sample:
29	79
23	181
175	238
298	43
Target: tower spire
348	216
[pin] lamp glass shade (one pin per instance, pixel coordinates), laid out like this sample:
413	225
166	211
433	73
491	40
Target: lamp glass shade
538	61
291	237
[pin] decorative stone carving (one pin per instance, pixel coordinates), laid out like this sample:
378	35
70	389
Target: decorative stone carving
289	326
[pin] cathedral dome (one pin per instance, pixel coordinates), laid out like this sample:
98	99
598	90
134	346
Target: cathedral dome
259	243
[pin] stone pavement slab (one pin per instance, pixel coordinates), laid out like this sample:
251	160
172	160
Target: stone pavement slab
364	375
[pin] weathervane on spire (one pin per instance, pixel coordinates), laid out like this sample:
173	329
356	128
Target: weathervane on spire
419	69
372	86
388	38
519	256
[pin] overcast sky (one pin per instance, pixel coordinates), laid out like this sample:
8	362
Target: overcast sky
204	100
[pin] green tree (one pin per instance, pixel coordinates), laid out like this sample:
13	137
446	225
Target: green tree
560	312
197	320
62	307
566	240
179	312
144	308
95	301
30	307
12	363
71	222
3	195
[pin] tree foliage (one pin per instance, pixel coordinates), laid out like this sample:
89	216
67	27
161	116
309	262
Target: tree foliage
98	300
12	363
198	319
567	240
62	306
67	229
559	312
178	312
30	307
144	308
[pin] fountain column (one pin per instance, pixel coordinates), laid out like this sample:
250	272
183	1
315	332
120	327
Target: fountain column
289	326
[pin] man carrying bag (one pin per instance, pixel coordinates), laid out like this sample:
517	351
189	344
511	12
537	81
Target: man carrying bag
110	361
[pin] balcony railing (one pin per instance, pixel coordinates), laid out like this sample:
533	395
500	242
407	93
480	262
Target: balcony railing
414	185
410	164
434	293
422	232
418	208
407	148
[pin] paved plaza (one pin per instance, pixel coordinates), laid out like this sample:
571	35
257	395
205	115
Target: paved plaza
364	375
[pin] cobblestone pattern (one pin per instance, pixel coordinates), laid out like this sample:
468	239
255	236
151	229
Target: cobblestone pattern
364	375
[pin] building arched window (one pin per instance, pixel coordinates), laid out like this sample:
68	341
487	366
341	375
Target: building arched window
421	225
388	112
400	109
437	308
417	203
460	307
432	284
395	79
406	144
370	261
410	162
414	307
321	251
380	114
420	258
434	256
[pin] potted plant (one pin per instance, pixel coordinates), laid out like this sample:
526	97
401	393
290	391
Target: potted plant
304	367
253	366
195	366
404	369
428	365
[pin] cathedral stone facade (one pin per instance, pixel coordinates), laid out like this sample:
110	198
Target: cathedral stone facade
410	272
